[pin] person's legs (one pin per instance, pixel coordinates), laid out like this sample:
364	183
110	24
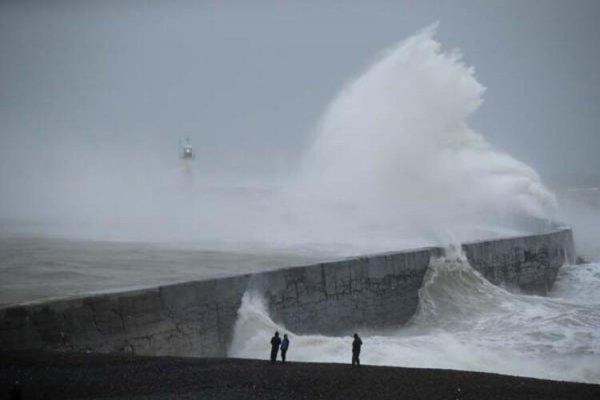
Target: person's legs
283	355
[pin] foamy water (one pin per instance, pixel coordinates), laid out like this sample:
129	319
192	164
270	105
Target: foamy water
464	322
394	157
393	164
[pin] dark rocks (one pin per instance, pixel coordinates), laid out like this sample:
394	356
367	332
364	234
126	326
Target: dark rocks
71	376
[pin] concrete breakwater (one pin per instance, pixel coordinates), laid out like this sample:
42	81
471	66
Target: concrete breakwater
198	318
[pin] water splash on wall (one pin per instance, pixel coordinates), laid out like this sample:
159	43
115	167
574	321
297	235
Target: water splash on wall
392	164
463	322
394	153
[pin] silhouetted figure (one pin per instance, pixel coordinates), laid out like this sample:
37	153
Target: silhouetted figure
284	347
275	342
16	391
356	343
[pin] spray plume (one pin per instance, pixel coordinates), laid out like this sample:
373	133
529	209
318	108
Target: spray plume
393	154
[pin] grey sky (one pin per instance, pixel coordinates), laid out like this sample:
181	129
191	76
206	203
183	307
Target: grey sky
248	80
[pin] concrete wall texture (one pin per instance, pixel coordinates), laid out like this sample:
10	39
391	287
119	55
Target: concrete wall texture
335	298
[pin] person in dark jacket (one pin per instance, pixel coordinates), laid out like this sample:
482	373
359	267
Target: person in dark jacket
284	347
356	343
275	342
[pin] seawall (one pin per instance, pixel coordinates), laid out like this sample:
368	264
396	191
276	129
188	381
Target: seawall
334	298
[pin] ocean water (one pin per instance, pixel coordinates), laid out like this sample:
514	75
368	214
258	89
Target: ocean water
392	164
464	323
394	151
34	269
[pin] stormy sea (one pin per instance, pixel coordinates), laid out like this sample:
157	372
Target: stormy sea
392	165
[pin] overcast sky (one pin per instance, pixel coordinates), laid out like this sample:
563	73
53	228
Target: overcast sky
248	80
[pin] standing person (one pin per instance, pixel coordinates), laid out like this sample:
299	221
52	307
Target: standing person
275	342
356	343
284	347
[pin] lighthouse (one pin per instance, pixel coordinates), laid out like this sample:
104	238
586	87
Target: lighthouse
187	152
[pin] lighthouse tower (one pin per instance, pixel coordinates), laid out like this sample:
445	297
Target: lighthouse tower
187	155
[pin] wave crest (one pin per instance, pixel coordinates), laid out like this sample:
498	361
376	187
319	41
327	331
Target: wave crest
394	149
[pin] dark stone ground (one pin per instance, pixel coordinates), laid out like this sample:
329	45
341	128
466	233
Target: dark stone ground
93	376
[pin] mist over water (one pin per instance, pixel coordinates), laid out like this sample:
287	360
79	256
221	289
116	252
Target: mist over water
580	206
392	164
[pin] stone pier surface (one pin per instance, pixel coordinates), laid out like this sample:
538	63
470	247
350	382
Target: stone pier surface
335	298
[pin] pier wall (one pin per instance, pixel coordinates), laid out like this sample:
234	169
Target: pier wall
335	298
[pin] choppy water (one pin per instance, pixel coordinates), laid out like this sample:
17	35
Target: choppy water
393	165
394	151
465	323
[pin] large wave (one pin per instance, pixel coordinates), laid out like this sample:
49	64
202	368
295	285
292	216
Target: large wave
394	158
463	322
392	164
393	154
